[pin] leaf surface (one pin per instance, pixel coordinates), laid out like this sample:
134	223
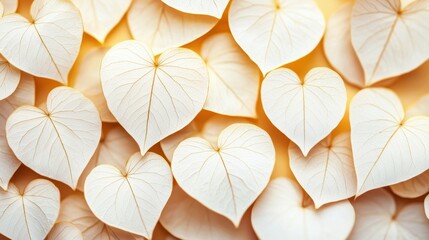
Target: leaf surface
63	231
213	8
9	78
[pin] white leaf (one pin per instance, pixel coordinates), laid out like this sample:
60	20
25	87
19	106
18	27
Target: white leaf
115	147
162	27
274	33
388	40
57	142
9	6
65	231
421	107
327	173
89	83
234	79
24	95
213	8
378	218
46	46
75	211
228	176
387	148
414	187
200	222
279	214
100	16
153	97
338	47
426	205
131	200
29	213
9	78
306	112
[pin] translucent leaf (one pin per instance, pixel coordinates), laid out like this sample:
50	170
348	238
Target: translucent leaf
389	40
75	210
57	142
213	8
228	176
9	6
280	214
421	107
46	46
153	97
377	217
9	78
414	187
387	148
24	95
306	112
100	16
234	79
65	231
327	173
162	27
274	33
338	47
200	222
131	200
29	213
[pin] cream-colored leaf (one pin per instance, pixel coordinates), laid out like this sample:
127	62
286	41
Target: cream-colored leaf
65	231
279	214
387	148
338	47
414	187
274	33
426	205
378	218
24	95
306	112
131	200
115	147
89	83
9	78
153	97
75	210
9	6
327	173
213	8
388	40
29	213
162	27
420	108
228	176
46	46
100	16
234	79
57	142
200	222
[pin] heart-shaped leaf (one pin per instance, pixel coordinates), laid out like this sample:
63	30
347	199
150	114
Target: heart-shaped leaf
115	147
213	8
100	16
239	166
387	148
65	231
414	187
132	200
279	214
234	79
306	112
57	142
24	95
338	47
200	222
389	40
89	83
46	46
162	27
75	210
9	6
327	173
377	217
274	33
153	97
29	213
9	78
